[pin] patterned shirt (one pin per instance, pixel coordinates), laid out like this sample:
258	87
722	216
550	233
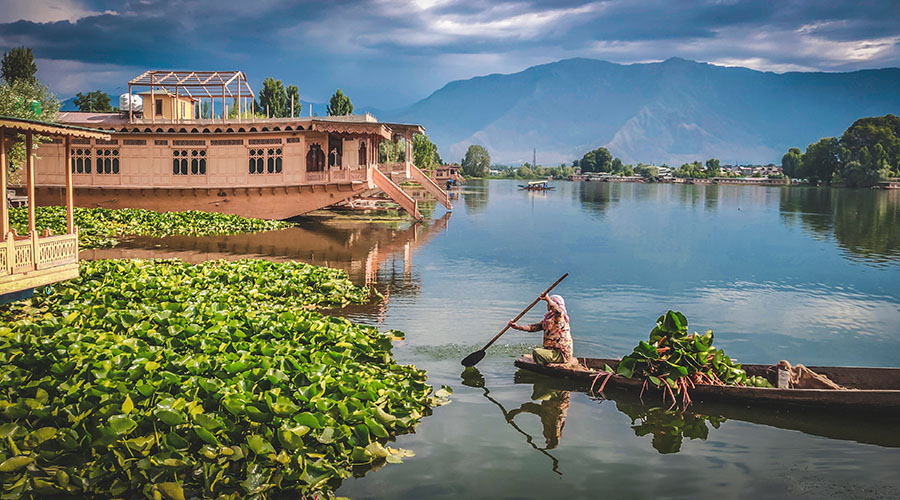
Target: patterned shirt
556	331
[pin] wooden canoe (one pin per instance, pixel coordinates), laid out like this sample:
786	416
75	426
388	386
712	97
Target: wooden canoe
869	389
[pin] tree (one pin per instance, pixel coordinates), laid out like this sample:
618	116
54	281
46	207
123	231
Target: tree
31	100
273	98
391	152
339	105
425	152
616	165
791	162
598	160
477	161
18	64
293	96
712	167
96	101
821	161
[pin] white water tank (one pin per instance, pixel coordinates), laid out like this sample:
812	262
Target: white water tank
137	104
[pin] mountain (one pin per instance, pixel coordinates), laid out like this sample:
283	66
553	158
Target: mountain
673	111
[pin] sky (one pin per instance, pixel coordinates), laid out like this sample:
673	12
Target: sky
388	54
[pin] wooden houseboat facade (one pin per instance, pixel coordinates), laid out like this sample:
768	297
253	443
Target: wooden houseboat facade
272	168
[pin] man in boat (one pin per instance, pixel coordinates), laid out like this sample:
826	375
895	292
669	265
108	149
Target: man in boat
557	347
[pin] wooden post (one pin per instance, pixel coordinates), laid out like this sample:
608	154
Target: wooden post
130	113
70	194
292	105
152	101
29	176
4	204
177	112
239	100
224	114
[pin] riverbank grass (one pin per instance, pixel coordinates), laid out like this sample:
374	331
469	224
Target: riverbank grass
100	227
161	379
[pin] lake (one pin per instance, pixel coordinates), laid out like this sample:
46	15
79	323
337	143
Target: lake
810	275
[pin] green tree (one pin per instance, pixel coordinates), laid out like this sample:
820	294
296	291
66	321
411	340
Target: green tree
616	165
712	167
18	64
477	162
339	105
425	152
293	93
273	99
391	152
791	162
598	160
31	100
96	101
821	161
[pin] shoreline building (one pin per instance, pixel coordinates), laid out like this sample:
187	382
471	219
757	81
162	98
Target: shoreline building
163	157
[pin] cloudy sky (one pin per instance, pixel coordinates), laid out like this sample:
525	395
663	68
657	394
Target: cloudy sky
387	54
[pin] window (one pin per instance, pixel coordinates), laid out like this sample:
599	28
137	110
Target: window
265	161
107	161
81	160
315	158
158	107
188	162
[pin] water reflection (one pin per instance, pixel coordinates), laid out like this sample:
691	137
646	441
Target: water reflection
552	411
669	427
865	223
372	254
595	197
475	195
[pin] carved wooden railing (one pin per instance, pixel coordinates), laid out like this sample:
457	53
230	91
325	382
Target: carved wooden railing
4	260
316	177
359	174
56	251
29	254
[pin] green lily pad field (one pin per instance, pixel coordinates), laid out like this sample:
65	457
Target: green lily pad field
161	379
99	227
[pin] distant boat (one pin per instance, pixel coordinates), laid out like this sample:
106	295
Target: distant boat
536	186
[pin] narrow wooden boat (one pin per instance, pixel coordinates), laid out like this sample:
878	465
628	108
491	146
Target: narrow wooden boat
536	186
869	389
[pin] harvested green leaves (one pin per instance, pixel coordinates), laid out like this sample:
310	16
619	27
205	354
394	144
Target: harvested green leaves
673	360
169	380
99	227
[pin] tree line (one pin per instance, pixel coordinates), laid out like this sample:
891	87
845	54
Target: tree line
867	153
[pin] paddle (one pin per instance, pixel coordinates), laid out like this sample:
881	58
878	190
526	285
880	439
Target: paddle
475	357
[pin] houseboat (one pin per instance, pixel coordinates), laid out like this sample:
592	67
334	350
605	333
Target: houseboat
163	155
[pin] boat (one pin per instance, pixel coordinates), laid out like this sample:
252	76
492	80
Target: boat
874	390
536	186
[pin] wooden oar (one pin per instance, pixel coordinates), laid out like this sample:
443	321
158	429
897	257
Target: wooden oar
475	357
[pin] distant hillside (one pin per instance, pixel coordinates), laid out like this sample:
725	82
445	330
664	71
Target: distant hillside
673	111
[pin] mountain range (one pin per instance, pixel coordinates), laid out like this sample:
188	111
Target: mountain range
672	111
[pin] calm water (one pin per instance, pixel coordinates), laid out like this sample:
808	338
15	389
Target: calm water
809	275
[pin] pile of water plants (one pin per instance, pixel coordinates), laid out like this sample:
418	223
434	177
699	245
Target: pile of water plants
673	361
100	227
161	379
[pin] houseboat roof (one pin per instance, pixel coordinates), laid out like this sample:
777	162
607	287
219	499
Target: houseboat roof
350	124
21	125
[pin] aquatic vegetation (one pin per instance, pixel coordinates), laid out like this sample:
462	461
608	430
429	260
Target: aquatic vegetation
163	379
673	360
99	227
668	427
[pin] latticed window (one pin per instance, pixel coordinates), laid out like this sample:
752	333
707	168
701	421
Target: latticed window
81	160
189	161
107	161
268	160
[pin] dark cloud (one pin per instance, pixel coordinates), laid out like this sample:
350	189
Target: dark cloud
387	53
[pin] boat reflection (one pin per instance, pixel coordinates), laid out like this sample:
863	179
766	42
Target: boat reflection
669	427
372	254
552	411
